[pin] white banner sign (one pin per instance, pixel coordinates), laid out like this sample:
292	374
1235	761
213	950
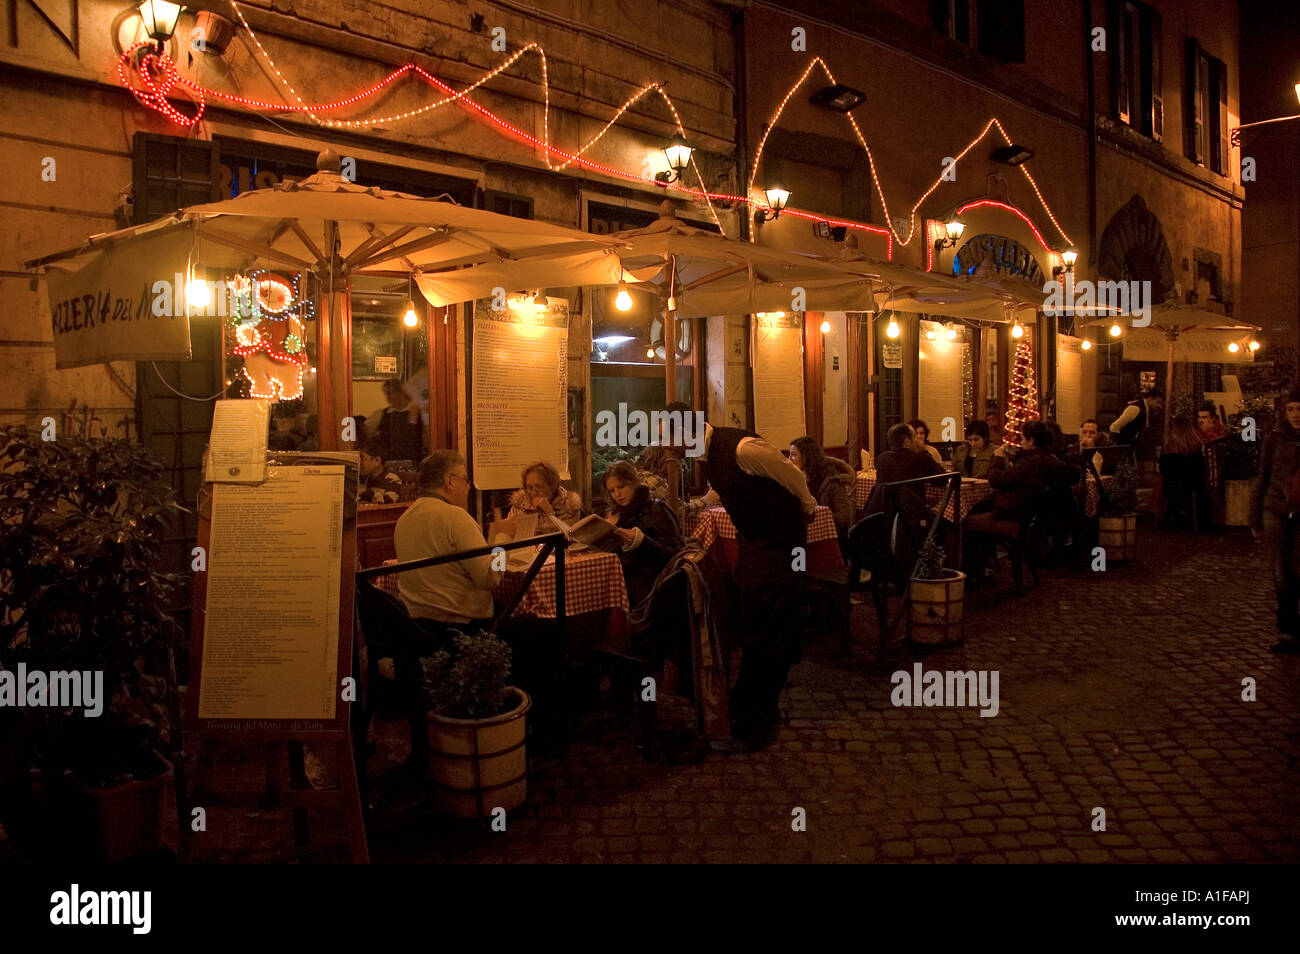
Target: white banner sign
123	305
1149	344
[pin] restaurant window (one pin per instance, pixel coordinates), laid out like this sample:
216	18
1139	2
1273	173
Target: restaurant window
1206	140
170	173
1136	78
503	203
999	26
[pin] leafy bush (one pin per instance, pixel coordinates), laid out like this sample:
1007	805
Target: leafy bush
82	523
472	684
930	562
1123	493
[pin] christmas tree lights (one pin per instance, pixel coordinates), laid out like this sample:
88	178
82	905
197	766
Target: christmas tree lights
1022	395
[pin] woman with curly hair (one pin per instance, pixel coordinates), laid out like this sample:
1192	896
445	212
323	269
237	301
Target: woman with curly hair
542	494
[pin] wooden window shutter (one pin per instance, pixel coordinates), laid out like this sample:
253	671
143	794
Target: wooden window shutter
1118	55
1153	78
1194	121
1224	155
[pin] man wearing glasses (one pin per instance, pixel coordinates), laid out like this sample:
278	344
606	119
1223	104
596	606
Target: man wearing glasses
437	523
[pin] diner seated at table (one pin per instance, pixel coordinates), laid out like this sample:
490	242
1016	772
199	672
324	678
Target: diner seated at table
543	495
1092	436
922	430
1017	490
377	484
903	461
978	458
435	524
829	480
646	527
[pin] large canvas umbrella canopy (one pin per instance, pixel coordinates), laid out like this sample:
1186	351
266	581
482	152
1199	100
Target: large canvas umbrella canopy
335	228
1183	333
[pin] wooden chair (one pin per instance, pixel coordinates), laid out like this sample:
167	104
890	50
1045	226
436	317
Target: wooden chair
1029	539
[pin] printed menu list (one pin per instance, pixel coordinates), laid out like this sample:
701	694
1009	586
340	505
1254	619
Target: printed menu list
778	378
270	641
520	391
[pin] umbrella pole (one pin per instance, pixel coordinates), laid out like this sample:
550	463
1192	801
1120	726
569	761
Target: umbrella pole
1169	389
334	360
670	375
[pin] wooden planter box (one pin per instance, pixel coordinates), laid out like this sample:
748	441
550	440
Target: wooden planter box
118	822
477	765
1117	535
935	613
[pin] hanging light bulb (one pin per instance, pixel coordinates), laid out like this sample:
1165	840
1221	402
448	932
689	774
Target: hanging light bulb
1234	347
1254	346
826	327
1116	331
649	352
952	332
1085	345
893	329
1017	330
931	335
540	302
623	301
410	318
198	294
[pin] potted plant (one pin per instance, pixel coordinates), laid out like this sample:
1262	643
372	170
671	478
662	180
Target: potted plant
82	523
935	596
1117	524
477	724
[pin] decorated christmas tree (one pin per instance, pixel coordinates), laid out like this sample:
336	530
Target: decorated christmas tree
1022	395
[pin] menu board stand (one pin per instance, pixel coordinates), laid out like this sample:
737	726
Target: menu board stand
270	653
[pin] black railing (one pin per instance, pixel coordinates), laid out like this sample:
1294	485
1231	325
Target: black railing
550	543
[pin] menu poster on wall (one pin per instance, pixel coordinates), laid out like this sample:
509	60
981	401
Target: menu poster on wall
1069	382
940	394
778	379
520	390
271	614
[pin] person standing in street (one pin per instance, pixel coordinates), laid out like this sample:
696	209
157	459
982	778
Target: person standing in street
768	501
1274	515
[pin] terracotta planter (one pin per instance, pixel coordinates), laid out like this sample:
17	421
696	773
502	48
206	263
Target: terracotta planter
935	611
118	822
477	765
1117	535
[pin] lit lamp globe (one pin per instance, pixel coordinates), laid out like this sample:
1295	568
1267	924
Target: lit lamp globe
1085	345
410	318
1116	331
1254	346
893	330
623	301
826	327
197	293
931	335
1234	347
1017	330
952	332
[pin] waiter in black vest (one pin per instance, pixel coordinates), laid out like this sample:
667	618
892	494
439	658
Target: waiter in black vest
767	499
1127	428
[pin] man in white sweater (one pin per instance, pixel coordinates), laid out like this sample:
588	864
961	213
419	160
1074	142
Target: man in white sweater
437	524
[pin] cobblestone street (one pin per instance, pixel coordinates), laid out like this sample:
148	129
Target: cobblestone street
1120	691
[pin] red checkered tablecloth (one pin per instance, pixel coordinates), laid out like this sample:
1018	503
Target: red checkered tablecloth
973	491
593	581
1093	502
713	525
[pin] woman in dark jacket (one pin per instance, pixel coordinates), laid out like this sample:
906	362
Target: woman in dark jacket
829	480
1275	519
647	527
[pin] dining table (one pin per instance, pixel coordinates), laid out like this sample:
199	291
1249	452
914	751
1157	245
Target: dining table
593	584
715	531
973	490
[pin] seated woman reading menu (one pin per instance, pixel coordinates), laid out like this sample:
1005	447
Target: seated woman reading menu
647	528
542	494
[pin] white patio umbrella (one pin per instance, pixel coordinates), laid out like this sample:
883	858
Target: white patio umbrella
334	228
1183	333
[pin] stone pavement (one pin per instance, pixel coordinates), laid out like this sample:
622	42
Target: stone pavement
1120	691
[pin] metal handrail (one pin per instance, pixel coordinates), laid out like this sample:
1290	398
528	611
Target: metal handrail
550	543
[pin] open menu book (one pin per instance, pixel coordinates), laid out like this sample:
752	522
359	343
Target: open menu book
592	531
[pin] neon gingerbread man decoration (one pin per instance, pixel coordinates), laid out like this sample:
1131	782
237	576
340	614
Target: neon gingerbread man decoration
268	330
